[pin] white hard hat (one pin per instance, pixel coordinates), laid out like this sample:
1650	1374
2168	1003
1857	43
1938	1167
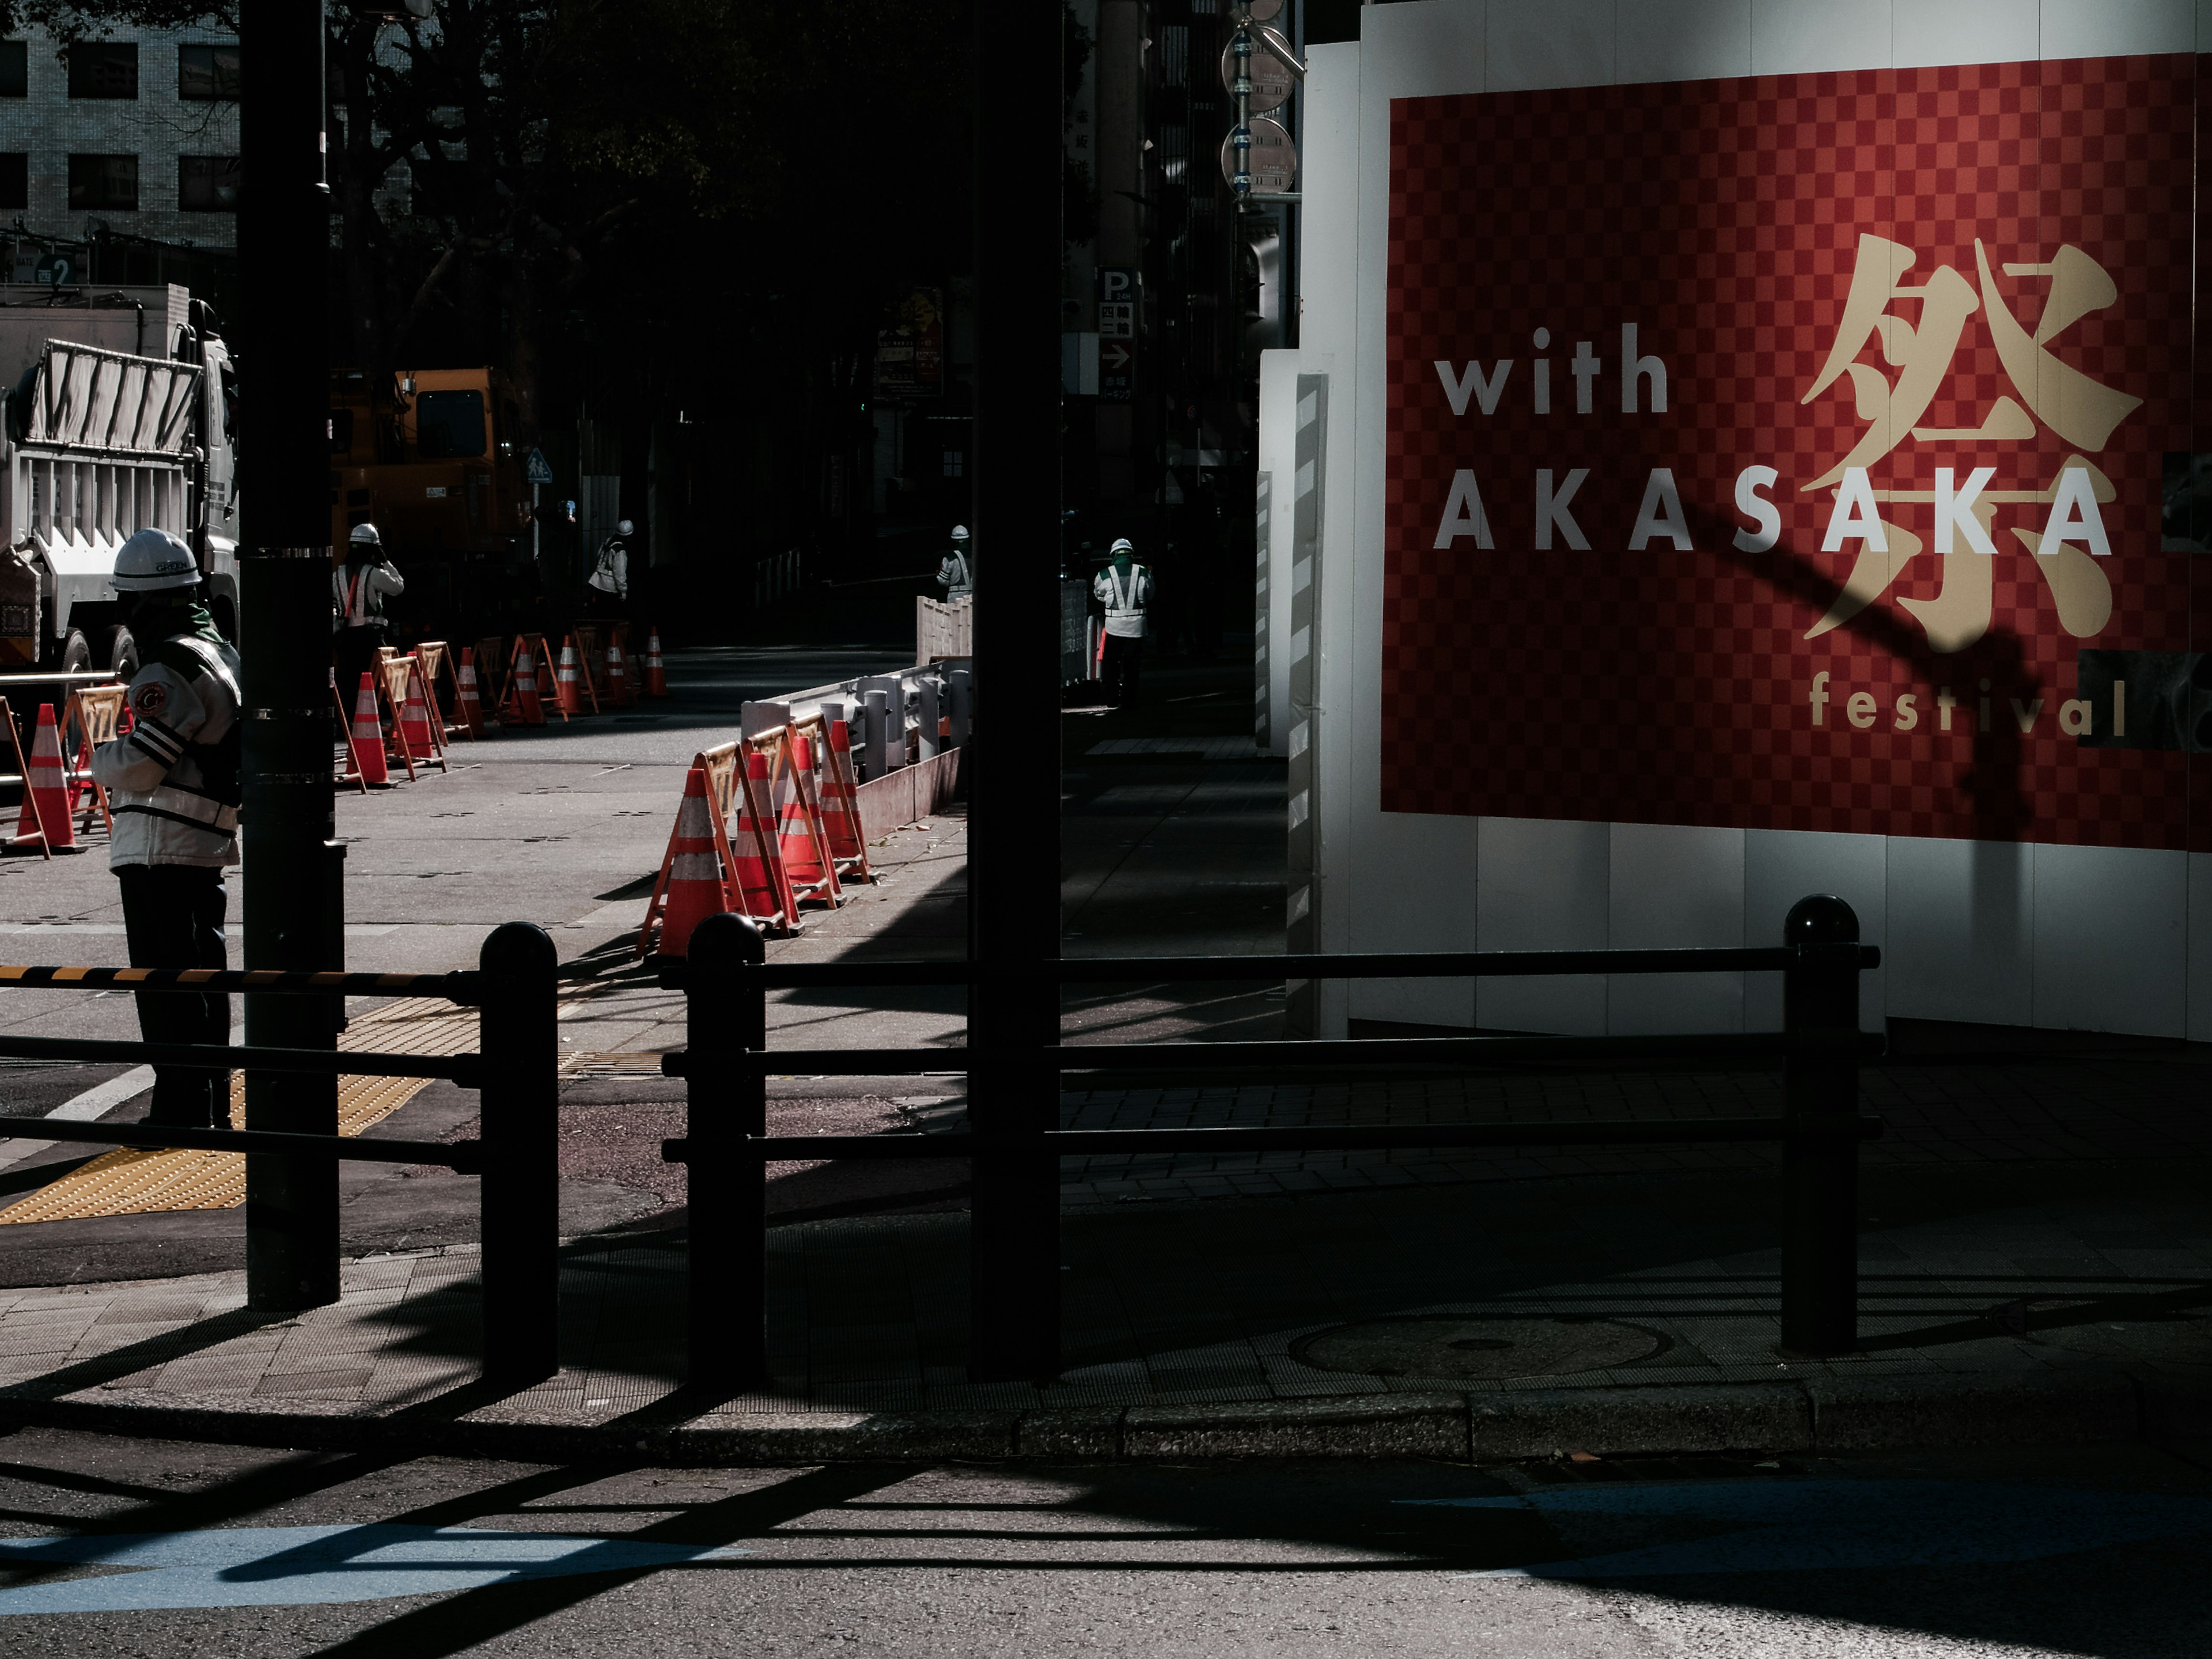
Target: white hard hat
1122	546
154	559
364	535
959	533
624	528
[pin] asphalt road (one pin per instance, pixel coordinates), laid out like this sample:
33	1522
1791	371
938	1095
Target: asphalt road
113	1546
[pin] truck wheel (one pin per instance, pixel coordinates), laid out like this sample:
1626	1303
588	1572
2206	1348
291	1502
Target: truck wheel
119	651
77	653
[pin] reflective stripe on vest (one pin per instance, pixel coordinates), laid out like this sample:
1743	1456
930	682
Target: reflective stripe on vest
1125	605
186	806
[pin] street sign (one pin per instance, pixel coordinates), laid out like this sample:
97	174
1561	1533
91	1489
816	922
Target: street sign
1275	158
535	471
1261	11
1117	323
1271	76
1117	372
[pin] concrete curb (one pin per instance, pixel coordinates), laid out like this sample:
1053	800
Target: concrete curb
2086	1405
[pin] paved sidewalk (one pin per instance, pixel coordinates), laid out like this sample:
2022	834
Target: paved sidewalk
2036	1251
2070	1300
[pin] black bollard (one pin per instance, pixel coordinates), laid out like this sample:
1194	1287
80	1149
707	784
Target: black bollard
1820	1152
521	1199
725	1103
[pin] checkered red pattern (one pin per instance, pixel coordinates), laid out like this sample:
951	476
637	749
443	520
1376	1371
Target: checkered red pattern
1722	218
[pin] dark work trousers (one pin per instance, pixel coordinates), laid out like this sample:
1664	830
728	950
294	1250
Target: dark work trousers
172	916
353	654
1119	671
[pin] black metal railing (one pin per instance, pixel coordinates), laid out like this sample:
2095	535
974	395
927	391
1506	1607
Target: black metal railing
726	1062
514	1073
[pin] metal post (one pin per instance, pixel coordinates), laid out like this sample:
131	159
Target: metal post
876	724
521	1194
927	687
724	1104
1820	1155
1013	900
960	684
289	831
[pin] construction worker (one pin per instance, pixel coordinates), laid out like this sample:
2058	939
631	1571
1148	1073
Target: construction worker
358	626
609	582
173	785
956	575
1126	587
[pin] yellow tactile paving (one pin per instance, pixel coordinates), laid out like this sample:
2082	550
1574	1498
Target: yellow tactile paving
132	1182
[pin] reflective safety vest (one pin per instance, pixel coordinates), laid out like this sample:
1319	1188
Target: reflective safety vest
173	781
1125	596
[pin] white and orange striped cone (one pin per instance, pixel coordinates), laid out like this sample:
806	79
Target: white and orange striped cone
415	722
619	691
525	686
695	890
46	791
368	734
797	828
760	889
840	807
466	703
656	672
567	695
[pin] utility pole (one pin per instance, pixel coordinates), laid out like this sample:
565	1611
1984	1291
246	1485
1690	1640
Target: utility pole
1013	793
295	904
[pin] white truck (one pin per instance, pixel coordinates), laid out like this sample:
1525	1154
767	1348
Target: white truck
120	415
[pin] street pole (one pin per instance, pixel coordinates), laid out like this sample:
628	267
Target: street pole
295	902
1013	790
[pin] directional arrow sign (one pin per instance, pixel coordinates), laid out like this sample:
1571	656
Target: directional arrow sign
1113	356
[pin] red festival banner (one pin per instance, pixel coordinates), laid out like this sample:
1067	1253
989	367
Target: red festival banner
1807	452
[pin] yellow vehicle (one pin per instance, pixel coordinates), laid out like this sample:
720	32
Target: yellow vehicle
432	460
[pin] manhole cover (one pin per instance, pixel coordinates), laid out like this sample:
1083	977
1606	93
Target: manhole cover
1456	1345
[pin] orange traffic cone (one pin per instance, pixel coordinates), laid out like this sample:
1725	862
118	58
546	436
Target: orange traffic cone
798	830
618	692
566	696
693	886
466	703
526	686
45	792
840	807
759	886
656	673
368	734
415	722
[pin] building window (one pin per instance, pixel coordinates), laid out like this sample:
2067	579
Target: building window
449	425
208	74
955	463
14	69
15	180
104	181
207	184
103	69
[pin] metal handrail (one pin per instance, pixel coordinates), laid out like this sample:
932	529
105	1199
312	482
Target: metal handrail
466	1070
1228	1140
464	1156
675	972
464	987
292	1246
1289	1054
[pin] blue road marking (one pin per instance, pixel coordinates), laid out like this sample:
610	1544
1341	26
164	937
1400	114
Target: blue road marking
294	1566
1794	1526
